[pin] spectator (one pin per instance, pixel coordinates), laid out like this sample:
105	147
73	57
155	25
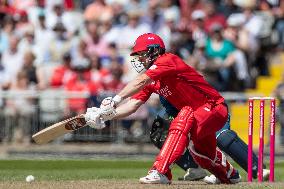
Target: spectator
112	82
169	7
58	15
198	28
203	65
83	84
119	14
80	55
20	111
5	33
95	10
279	94
213	17
35	11
113	56
278	12
95	43
58	45
110	32
35	77
154	16
62	73
236	34
132	30
219	50
27	43
97	71
12	59
187	8
42	38
22	22
22	4
168	29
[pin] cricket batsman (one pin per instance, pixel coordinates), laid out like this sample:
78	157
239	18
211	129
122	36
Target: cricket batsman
202	111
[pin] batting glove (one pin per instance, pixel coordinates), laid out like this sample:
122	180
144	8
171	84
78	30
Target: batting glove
94	119
108	106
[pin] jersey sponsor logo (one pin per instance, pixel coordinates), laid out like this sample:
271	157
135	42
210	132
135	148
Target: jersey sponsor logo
165	92
153	67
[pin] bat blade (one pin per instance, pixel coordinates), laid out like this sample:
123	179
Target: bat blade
58	129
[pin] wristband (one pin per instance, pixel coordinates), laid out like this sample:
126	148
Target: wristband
117	99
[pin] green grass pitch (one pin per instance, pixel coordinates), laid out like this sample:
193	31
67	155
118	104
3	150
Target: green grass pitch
61	170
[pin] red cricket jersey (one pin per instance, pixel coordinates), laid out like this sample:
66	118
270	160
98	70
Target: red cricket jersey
179	83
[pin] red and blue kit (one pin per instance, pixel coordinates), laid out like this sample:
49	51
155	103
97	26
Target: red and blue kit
202	113
179	83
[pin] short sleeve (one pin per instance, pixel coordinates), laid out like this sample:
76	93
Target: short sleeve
162	67
144	94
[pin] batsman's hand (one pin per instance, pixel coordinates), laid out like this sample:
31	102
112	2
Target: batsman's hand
93	118
107	107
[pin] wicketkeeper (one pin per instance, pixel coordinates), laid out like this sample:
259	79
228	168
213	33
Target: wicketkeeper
202	110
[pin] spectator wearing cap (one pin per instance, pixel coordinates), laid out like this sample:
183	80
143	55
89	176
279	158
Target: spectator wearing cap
169	7
132	30
168	29
59	15
198	28
186	9
27	43
237	35
110	31
22	23
58	45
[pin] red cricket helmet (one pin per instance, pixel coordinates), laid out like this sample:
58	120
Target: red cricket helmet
145	41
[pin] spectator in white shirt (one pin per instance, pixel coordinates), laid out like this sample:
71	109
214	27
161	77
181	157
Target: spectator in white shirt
12	59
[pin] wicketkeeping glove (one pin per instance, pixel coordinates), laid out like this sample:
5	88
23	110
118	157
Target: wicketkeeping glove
159	131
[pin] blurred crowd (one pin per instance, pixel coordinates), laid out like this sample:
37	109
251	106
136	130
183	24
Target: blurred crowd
84	45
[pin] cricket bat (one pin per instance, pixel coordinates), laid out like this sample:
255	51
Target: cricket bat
58	129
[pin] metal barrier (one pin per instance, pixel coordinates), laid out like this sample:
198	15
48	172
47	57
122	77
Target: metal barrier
24	113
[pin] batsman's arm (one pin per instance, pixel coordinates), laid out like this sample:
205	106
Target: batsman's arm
127	108
134	86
